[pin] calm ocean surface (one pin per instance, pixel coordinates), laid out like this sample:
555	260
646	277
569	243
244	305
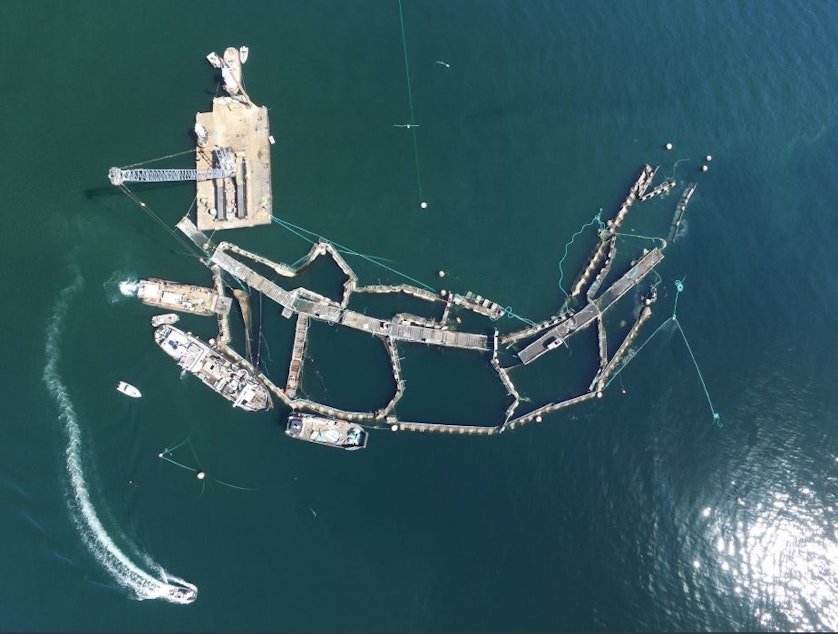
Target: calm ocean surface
632	512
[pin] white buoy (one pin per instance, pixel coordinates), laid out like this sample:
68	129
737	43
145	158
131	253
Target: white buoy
160	455
201	475
443	292
704	168
708	158
599	394
668	146
441	273
423	205
394	427
538	419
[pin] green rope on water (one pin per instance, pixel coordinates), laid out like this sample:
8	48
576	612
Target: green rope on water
509	313
410	101
642	237
299	231
679	287
596	220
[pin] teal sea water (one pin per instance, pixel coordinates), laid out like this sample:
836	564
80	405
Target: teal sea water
633	512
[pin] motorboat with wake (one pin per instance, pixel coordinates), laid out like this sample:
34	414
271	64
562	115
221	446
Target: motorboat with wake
181	592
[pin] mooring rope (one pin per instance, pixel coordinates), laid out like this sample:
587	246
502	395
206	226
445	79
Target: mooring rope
159	158
299	231
596	220
144	206
413	125
679	287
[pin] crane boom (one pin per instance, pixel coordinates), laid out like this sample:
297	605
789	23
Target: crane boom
225	168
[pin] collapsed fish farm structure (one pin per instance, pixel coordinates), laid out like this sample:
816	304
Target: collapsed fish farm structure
233	189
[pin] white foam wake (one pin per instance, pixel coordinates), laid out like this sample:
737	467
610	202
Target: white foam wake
119	286
129	575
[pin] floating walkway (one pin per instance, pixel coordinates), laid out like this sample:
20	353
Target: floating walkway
223	318
395	362
558	335
680	210
504	379
663	188
608	369
478	304
303	301
199	238
297	354
441	428
537	414
407	289
608	236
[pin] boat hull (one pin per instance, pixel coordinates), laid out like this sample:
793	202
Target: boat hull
223	375
128	389
326	431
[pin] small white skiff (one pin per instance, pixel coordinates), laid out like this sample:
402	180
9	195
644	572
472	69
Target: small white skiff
167	318
128	389
243	53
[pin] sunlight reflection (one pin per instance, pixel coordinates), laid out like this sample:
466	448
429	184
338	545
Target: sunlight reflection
783	555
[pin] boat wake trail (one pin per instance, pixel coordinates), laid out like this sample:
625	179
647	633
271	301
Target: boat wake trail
143	584
119	286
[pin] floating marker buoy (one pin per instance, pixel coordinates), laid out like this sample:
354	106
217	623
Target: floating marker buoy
394	427
668	146
423	205
160	455
708	158
142	204
704	168
443	292
441	273
599	394
538	419
200	475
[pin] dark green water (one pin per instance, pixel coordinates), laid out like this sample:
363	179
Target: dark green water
630	512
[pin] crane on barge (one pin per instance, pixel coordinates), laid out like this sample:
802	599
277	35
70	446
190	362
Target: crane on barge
224	167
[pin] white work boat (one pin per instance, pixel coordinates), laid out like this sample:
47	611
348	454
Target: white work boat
128	389
167	318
